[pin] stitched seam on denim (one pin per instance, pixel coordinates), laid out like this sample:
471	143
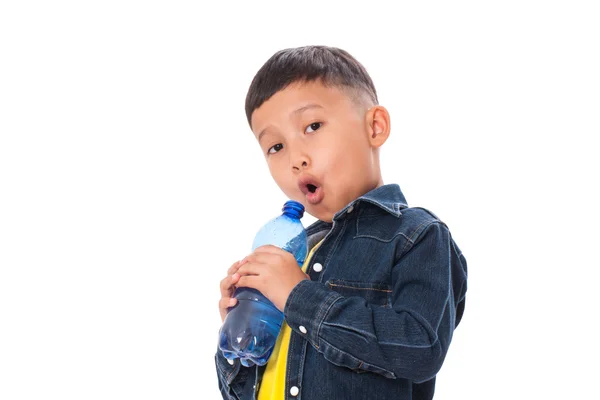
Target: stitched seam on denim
314	256
303	347
317	316
432	214
449	294
322	319
382	240
357	359
364	334
223	393
230	376
376	238
226	374
411	346
226	394
335	243
418	346
391	211
446	303
417	234
290	355
458	253
359	288
295	294
221	370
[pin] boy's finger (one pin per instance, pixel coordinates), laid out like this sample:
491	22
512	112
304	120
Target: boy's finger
250	268
226	285
250	281
233	268
226	302
269	248
259	258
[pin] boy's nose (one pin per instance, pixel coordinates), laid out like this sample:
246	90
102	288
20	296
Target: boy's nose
299	158
300	164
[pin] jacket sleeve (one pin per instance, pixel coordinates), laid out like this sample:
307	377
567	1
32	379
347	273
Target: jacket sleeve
232	377
407	340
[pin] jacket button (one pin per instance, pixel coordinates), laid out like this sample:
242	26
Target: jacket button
294	391
231	362
318	267
302	329
350	209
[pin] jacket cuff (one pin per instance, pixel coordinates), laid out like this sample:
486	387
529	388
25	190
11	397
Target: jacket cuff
227	369
307	307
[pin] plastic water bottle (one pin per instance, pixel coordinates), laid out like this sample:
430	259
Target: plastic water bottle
251	327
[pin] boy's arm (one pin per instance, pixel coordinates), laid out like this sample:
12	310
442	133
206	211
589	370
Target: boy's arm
233	377
408	340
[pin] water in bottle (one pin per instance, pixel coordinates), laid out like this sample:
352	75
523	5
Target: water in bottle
251	327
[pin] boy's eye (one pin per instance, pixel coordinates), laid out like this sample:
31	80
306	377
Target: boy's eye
314	126
275	148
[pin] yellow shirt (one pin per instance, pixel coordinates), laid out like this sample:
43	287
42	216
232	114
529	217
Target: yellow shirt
273	382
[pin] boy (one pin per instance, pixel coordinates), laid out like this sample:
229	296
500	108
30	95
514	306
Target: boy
372	313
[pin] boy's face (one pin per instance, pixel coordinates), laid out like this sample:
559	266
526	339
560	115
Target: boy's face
320	145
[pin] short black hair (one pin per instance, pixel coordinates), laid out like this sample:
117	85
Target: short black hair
331	65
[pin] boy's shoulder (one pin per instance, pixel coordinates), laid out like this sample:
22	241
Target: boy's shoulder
404	231
409	221
383	214
419	216
389	199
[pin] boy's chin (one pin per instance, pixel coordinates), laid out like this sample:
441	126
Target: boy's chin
320	215
317	211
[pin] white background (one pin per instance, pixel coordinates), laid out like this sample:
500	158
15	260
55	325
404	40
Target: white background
130	181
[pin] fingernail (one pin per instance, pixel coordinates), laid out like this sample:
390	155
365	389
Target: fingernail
232	301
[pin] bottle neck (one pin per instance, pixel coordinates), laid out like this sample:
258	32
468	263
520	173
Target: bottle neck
293	209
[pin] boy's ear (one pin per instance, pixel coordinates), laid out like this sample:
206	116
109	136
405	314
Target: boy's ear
377	120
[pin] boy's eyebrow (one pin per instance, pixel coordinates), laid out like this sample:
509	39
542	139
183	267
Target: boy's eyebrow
295	112
306	107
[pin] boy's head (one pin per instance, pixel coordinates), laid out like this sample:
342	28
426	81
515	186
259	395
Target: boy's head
315	114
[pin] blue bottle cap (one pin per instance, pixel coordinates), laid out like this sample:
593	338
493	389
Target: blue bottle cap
293	209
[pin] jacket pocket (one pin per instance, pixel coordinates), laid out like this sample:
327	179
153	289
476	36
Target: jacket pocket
379	294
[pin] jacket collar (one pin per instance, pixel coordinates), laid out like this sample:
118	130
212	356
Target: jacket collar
387	197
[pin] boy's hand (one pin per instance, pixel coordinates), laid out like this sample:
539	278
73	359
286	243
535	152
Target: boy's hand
272	271
227	288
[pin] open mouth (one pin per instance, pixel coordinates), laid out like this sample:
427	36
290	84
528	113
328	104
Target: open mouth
311	189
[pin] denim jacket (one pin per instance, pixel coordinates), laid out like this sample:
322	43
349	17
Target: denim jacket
387	288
